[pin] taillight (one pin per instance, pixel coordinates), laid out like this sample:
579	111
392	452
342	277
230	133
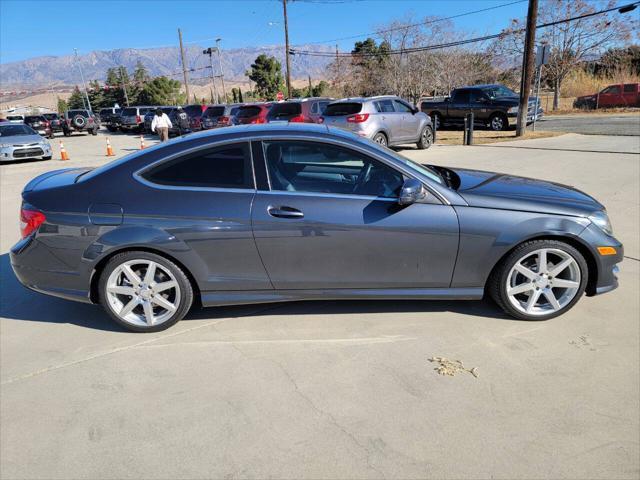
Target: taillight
320	119
138	119
358	118
224	120
47	124
30	220
297	119
258	120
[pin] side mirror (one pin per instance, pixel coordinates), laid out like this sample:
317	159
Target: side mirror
411	192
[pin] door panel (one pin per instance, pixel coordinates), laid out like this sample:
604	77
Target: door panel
458	106
354	242
410	122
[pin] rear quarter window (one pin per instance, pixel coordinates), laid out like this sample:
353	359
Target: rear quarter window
214	112
246	112
285	110
342	108
226	166
630	87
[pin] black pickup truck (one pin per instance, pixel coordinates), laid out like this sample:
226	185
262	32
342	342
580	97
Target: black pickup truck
494	106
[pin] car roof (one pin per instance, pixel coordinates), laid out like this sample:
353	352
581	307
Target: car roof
484	85
367	99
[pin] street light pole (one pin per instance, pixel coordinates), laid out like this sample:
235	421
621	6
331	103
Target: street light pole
286	46
209	51
224	90
84	85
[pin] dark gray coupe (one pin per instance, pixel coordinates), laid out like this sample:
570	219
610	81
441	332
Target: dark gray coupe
276	213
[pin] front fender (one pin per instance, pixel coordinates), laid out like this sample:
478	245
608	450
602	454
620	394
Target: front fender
486	235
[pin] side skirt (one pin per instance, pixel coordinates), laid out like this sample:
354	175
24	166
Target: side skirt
219	298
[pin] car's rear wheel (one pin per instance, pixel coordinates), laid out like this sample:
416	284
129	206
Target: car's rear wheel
47	158
426	138
498	122
538	280
94	132
144	292
380	138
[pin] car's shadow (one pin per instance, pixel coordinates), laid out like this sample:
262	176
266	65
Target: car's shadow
20	303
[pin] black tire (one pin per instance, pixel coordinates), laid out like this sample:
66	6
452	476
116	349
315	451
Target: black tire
381	139
67	133
94	132
426	138
498	280
111	129
47	158
498	122
186	289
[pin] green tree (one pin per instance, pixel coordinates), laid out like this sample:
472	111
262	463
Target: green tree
114	92
310	91
76	100
140	74
63	106
266	72
320	89
240	100
234	94
161	91
97	95
368	60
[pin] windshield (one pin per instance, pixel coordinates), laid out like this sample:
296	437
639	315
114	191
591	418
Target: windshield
246	112
285	110
416	167
51	116
129	112
498	91
213	112
72	113
15	129
342	108
193	110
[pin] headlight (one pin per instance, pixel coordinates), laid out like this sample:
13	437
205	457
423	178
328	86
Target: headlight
601	219
513	110
5	145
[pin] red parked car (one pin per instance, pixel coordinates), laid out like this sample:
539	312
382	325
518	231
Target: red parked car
619	95
252	113
303	110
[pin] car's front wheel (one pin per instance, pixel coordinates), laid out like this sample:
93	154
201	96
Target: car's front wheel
426	138
539	279
144	292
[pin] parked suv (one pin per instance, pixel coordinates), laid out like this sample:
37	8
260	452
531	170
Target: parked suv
132	118
39	124
304	110
252	113
491	105
55	122
80	121
218	116
387	120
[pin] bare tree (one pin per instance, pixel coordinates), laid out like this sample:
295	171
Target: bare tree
571	42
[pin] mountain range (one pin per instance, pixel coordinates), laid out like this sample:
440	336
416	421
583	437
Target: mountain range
51	71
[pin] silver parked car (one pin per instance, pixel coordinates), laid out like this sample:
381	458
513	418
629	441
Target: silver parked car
387	120
19	142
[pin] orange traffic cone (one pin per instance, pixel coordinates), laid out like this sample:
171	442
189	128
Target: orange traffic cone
141	142
63	152
109	149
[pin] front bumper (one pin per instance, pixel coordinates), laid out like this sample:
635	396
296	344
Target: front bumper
37	151
607	266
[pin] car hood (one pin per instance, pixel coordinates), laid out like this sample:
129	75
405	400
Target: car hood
22	139
509	192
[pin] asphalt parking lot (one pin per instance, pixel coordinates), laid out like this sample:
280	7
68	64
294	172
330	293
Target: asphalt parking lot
593	124
332	389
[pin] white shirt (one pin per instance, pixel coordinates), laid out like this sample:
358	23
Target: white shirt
160	122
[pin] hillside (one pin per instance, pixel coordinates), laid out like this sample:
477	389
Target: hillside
50	71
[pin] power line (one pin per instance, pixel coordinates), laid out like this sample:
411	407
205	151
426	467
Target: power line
460	42
426	22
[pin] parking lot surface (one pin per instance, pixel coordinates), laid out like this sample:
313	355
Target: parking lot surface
593	124
332	389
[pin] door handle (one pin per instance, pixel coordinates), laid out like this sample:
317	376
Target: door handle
285	212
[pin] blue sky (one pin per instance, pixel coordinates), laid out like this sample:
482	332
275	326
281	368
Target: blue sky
37	28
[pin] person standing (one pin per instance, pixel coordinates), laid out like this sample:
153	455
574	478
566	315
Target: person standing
162	124
182	119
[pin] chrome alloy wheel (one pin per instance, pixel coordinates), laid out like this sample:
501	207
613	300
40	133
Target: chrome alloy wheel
543	282
143	293
497	123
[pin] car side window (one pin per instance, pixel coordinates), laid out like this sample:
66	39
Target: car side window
614	89
384	106
477	96
460	96
402	107
298	166
226	166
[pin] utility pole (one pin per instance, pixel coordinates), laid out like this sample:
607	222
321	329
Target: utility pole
184	66
224	90
84	85
124	87
286	46
527	68
209	51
